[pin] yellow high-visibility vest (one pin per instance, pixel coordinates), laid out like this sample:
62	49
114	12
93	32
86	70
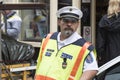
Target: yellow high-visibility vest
50	66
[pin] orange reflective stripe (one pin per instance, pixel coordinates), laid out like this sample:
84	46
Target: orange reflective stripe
46	40
78	61
41	77
45	43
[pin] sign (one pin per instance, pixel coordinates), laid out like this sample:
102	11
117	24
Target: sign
87	33
85	1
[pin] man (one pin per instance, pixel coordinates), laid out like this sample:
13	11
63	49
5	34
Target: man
13	24
66	55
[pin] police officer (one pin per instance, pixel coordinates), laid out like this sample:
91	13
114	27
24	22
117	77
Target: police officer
66	55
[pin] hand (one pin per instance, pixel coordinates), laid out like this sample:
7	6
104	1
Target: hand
88	75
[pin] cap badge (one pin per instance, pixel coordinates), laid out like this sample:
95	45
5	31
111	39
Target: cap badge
70	9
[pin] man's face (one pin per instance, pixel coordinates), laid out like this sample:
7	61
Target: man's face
68	26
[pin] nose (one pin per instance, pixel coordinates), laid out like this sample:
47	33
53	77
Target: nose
69	23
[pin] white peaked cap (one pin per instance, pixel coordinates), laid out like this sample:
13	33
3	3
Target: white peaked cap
70	11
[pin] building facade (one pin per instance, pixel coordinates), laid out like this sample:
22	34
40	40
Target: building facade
40	20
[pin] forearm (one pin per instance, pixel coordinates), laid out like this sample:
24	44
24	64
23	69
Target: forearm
88	75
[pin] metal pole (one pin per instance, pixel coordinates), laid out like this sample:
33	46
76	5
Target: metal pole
0	44
0	49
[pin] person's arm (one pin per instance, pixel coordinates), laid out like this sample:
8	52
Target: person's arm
90	67
101	45
88	75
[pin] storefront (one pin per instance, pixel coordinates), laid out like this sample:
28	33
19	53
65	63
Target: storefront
39	17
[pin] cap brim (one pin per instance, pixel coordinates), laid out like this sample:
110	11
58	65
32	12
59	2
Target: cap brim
71	16
72	19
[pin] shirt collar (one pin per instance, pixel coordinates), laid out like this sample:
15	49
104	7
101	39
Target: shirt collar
75	36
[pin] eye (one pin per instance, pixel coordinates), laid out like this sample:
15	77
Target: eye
65	20
70	20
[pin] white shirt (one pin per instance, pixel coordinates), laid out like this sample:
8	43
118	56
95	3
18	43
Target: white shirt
74	37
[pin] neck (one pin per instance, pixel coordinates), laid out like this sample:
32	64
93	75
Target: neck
63	37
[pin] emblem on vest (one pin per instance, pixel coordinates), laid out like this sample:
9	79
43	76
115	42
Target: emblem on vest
89	59
65	56
49	52
64	63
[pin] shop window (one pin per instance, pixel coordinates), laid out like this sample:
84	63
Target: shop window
35	21
35	24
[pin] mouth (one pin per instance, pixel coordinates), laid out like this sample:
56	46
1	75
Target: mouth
68	32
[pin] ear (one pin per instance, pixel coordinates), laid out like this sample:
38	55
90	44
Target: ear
59	21
79	22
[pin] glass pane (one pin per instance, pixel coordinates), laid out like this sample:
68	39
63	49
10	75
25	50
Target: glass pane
35	24
35	21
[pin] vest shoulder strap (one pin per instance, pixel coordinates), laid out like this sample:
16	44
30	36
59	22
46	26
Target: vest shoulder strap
78	61
45	43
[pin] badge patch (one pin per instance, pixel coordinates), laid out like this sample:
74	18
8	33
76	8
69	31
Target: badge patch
89	59
64	55
50	50
47	54
64	65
